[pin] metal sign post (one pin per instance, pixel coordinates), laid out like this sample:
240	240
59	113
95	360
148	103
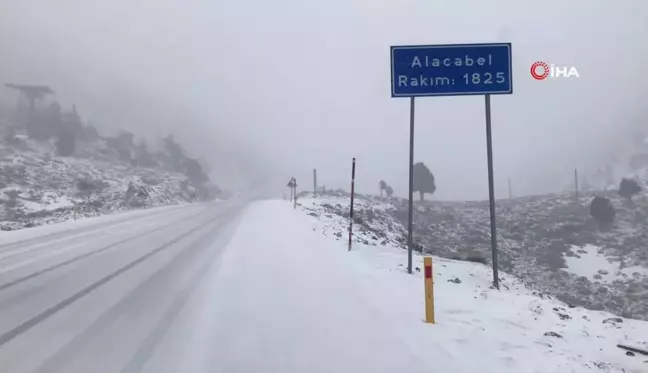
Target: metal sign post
491	191
452	70
410	216
292	184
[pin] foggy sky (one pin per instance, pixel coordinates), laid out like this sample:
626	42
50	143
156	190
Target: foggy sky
286	86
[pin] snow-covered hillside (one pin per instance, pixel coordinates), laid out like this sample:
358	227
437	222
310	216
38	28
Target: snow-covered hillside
37	187
479	329
545	240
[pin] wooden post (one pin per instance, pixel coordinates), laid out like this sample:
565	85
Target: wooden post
429	290
351	209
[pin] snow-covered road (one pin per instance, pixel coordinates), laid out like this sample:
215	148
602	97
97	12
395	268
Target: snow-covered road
185	289
101	295
231	287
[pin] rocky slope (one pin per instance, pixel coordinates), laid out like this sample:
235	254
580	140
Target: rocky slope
550	241
564	337
37	187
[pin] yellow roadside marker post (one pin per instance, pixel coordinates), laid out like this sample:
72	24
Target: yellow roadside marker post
429	290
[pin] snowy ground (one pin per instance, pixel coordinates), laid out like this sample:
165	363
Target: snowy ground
545	240
503	331
37	188
589	261
221	287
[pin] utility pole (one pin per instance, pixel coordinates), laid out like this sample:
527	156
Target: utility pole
351	209
314	181
510	190
576	182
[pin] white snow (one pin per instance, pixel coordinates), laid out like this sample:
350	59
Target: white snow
10	237
331	222
50	203
591	263
58	202
287	298
377	203
41	188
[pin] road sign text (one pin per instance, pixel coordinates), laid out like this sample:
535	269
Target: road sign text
450	70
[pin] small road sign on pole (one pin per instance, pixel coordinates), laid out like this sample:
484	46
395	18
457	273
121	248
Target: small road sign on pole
294	181
292	184
452	70
292	188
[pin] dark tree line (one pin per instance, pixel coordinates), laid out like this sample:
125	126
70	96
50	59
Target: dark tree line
66	128
385	188
424	182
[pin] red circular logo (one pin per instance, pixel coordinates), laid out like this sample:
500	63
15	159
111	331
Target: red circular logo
539	70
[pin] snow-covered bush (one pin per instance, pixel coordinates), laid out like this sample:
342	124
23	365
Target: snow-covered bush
628	188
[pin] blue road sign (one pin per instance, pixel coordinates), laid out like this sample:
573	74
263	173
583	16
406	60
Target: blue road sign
451	70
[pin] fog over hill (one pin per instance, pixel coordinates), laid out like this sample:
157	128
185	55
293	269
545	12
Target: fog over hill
229	79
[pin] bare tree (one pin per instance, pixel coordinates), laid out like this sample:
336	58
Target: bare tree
383	187
33	93
389	191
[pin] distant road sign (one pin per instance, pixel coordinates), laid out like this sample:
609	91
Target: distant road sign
451	70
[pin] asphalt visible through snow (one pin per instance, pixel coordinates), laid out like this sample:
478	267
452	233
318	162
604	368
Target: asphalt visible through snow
103	297
220	287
